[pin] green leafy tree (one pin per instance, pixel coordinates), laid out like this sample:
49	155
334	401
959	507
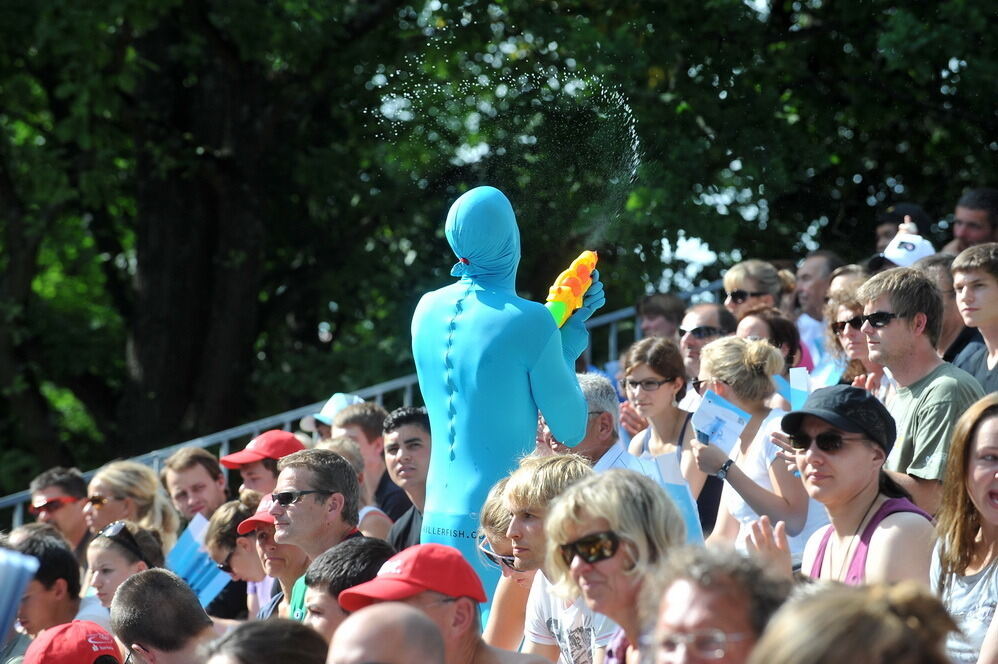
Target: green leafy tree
211	211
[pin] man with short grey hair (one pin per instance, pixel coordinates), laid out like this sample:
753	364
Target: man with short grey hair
715	604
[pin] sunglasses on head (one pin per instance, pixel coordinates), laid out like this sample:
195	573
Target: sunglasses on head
648	384
828	441
499	560
739	296
52	504
880	319
285	498
839	326
119	533
702	332
591	548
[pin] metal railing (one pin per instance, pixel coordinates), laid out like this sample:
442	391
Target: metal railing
614	322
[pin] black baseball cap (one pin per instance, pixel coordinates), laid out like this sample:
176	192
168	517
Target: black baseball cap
851	409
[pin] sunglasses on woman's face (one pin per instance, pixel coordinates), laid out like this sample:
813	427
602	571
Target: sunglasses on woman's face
827	441
739	296
838	327
98	501
591	548
499	560
226	566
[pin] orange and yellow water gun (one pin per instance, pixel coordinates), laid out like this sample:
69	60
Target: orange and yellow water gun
565	295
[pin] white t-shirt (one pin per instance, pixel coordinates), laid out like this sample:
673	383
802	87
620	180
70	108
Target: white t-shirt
571	626
761	455
91	609
812	335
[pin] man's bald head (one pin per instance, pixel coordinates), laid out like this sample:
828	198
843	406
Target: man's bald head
387	633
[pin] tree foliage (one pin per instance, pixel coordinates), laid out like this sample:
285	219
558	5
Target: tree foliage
212	210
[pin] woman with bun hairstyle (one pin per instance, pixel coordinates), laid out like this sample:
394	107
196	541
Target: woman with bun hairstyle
879	624
118	551
128	490
236	554
757	481
964	567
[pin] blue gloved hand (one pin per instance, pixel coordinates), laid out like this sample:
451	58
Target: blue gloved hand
574	335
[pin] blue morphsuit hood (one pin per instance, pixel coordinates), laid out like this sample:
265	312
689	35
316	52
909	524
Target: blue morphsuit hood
481	229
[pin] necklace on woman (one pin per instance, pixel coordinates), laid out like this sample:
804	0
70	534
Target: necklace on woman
852	540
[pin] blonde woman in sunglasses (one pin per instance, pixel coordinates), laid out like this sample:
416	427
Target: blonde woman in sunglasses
128	490
608	534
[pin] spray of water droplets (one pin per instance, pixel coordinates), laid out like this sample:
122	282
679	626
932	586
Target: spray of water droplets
558	130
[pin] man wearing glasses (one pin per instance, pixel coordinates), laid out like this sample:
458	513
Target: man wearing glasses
57	497
902	316
315	508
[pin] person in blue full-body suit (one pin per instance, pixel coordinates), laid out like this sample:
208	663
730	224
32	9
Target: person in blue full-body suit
487	360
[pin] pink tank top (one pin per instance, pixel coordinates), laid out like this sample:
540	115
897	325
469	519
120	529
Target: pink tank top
856	574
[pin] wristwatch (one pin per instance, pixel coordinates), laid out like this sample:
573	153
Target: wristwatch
723	472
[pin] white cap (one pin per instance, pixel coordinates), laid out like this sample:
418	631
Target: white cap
906	248
336	403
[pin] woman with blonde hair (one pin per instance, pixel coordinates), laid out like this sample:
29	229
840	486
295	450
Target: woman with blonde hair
608	534
504	628
964	567
128	490
117	552
879	624
757	481
753	283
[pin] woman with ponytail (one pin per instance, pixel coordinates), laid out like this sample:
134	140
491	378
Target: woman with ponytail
965	561
128	490
757	482
879	624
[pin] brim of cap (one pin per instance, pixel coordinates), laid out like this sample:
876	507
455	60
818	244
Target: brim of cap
254	522
378	589
236	459
879	261
791	422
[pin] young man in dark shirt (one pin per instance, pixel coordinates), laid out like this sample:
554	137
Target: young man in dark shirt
407	456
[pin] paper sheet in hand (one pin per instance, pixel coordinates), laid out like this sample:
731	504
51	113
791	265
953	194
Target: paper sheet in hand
189	560
798	388
719	422
16	572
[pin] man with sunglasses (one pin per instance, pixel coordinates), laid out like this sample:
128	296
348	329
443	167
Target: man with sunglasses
437	580
902	314
57	497
701	324
315	508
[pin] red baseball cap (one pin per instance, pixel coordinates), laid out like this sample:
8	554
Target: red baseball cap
76	642
422	567
261	518
273	444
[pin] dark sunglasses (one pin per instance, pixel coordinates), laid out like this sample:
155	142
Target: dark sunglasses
119	533
285	498
52	504
500	561
880	319
591	548
829	441
702	332
227	565
839	326
739	296
648	384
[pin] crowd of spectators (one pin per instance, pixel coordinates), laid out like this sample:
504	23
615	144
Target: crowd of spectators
858	523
